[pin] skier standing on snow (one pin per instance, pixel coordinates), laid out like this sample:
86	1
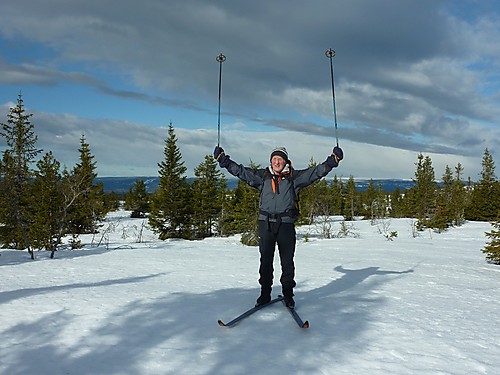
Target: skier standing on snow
279	185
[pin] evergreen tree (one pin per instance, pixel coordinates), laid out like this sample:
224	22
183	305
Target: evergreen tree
395	203
138	200
224	197
458	197
408	203
16	173
425	190
315	200
443	216
317	204
170	206
374	204
492	248
485	196
351	207
336	192
111	201
47	204
85	200
129	199
244	212
207	188
368	198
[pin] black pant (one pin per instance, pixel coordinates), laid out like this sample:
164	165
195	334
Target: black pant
284	236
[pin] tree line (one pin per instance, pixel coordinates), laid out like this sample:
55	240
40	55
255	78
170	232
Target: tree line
40	206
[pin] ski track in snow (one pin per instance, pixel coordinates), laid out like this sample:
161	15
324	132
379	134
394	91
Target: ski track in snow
427	305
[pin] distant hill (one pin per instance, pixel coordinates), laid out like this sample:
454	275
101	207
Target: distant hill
122	184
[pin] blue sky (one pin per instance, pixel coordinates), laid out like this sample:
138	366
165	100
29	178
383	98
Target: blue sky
410	77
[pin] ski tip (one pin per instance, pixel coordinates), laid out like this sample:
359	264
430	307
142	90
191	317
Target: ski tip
221	323
306	324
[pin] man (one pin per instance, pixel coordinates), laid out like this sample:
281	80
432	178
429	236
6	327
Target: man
279	185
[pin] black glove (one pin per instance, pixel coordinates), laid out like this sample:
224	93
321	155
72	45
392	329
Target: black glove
336	156
221	157
218	151
337	151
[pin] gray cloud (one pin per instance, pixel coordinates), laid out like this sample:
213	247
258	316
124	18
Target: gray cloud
413	75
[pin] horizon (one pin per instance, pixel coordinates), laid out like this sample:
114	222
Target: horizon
125	182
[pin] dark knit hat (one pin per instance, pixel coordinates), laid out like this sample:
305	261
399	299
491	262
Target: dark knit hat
280	151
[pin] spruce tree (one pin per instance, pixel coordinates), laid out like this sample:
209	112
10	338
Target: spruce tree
47	204
129	199
408	203
374	203
443	216
241	211
171	202
367	200
318	199
336	192
207	188
395	203
425	190
458	197
351	200
307	201
485	196
16	174
85	200
492	248
111	201
138	200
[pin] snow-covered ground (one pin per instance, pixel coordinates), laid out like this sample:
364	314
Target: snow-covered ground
427	305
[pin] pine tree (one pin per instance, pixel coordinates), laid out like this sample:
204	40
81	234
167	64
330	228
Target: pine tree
485	196
458	197
207	188
111	201
138	200
492	248
16	173
425	190
442	217
171	202
317	200
351	200
85	200
408	203
374	203
308	201
47	204
367	199
129	199
336	192
395	203
241	212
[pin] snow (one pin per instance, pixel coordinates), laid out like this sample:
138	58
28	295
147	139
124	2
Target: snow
416	305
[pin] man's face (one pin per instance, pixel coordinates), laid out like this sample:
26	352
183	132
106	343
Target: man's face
277	163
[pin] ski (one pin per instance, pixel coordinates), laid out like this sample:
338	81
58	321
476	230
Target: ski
249	312
295	315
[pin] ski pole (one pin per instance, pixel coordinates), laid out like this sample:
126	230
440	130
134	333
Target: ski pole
331	54
220	59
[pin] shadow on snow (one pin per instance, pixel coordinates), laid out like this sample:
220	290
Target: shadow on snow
178	333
